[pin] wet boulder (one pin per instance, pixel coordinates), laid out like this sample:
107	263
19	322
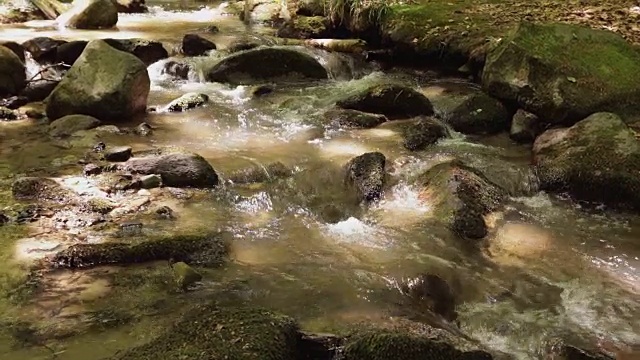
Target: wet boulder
185	275
563	73
212	332
14	102
176	169
12	72
8	114
276	63
366	173
42	49
69	52
105	83
188	101
15	47
524	127
69	124
38	188
479	114
90	14
393	101
118	153
461	197
431	292
148	51
207	249
176	69
423	132
38	90
131	6
195	45
352	119
260	173
596	160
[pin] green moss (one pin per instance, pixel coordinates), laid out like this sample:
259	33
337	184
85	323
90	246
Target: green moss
207	249
405	345
16	282
211	333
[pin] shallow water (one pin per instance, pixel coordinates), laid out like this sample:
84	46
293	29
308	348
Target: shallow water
566	269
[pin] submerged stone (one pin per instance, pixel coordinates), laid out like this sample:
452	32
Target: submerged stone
34	188
67	125
177	169
185	275
208	250
479	114
260	173
352	119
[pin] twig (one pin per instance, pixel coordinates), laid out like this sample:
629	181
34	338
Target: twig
45	68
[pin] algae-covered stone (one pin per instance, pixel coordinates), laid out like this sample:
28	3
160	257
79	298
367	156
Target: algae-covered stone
479	114
177	169
69	124
563	73
352	119
188	101
12	72
276	63
366	174
597	159
185	275
210	332
261	173
305	27
423	132
412	343
393	101
208	249
90	14
148	51
461	196
106	83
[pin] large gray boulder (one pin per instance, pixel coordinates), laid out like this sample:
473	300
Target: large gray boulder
266	64
90	14
176	170
105	83
563	73
12	72
597	159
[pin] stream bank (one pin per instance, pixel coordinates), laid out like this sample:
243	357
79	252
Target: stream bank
262	192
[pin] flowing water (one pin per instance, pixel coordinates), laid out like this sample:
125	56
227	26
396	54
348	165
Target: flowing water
564	269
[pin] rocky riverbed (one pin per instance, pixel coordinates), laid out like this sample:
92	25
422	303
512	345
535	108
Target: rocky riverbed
207	182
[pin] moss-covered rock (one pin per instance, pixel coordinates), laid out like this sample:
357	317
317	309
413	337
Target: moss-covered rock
366	173
12	72
212	333
185	275
177	169
69	124
461	196
479	114
106	83
393	101
101	205
414	343
563	73
276	63
597	159
525	127
352	119
209	250
188	101
422	132
305	27
90	14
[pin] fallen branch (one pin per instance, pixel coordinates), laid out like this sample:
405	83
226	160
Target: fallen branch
44	69
50	8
